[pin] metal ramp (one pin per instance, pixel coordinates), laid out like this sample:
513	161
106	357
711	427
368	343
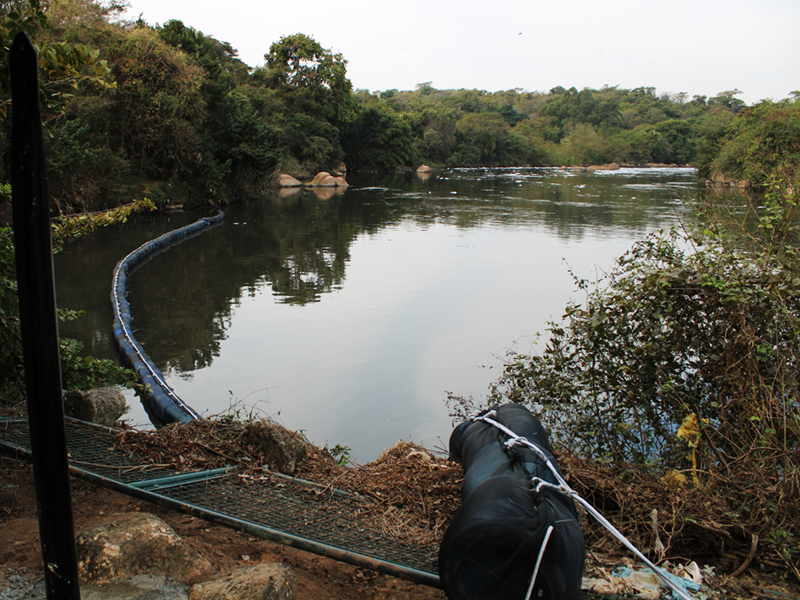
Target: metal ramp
282	509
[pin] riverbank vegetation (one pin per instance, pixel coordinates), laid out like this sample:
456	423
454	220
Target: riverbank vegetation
78	372
163	111
682	363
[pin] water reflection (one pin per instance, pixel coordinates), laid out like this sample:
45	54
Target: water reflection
352	313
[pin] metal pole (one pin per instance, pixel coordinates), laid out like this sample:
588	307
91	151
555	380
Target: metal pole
37	304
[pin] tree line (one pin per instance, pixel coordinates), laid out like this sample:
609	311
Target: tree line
169	113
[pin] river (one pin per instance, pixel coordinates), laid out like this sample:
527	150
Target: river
349	315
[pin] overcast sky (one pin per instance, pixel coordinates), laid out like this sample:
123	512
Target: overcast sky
700	47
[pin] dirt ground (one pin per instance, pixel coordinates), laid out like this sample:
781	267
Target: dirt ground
318	578
398	480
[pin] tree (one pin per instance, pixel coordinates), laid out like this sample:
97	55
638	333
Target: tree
486	133
219	59
298	64
380	140
678	142
312	98
63	66
158	106
761	142
239	149
728	100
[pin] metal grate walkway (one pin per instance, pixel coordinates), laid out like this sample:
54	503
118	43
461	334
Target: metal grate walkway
277	507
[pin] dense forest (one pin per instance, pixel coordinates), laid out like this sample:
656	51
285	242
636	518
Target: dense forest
169	113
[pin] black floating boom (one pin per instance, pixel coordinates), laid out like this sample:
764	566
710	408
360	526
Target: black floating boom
160	400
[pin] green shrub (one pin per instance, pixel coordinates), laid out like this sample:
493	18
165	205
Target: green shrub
683	362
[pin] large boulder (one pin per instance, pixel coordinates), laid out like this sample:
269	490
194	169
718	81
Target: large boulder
265	581
329	181
287	181
424	169
325	179
137	544
281	448
102	406
318	178
607	167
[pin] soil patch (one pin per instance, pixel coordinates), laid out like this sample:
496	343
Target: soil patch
416	494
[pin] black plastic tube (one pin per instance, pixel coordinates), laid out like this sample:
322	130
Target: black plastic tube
161	402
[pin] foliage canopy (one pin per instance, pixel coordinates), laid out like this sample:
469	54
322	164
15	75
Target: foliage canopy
173	114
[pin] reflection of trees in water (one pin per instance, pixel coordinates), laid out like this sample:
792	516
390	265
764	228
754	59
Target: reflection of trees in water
568	203
298	246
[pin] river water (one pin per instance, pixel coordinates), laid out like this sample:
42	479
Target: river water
350	315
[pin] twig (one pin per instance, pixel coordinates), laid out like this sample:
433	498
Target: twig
750	556
223	455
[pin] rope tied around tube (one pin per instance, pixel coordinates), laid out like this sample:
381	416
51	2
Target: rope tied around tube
564	488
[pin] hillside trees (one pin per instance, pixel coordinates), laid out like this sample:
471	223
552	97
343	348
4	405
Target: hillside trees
760	143
238	150
485	138
562	127
311	99
190	123
147	131
379	139
63	66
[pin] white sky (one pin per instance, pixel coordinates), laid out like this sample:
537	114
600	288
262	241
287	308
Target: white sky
701	47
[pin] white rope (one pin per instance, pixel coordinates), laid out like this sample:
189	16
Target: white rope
538	562
564	488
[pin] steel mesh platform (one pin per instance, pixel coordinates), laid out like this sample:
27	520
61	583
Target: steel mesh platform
283	509
277	507
303	511
91	448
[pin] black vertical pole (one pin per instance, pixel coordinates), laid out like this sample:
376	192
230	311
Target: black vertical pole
37	304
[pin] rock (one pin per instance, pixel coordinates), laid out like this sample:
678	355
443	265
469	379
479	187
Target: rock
329	181
424	169
281	448
319	177
720	179
137	544
609	167
102	406
325	179
265	581
287	181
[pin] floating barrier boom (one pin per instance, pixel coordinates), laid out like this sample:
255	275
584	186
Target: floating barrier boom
162	403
